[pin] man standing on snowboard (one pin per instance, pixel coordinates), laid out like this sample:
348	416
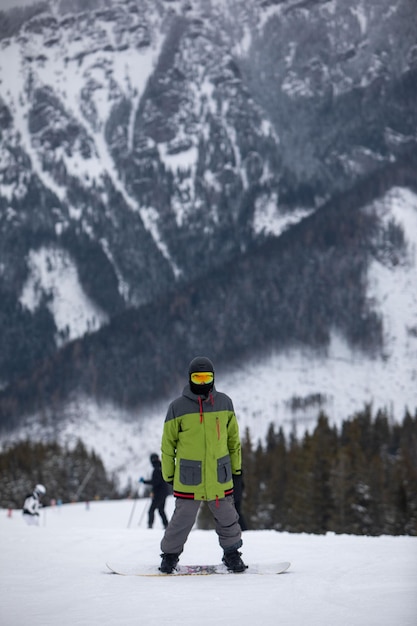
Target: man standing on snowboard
201	458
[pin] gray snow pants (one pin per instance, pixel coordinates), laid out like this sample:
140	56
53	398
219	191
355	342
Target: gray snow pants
183	518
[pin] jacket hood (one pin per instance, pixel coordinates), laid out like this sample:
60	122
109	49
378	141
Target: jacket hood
201	364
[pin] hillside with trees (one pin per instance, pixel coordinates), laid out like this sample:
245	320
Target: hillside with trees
313	280
360	479
68	474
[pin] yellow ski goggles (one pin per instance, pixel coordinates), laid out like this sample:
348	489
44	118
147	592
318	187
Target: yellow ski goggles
202	378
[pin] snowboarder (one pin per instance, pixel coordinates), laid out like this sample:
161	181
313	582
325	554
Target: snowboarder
201	453
32	505
160	491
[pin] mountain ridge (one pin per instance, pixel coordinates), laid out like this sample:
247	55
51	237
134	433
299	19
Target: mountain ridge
170	325
151	148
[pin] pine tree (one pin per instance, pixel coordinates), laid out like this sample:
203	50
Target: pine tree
249	477
276	459
61	470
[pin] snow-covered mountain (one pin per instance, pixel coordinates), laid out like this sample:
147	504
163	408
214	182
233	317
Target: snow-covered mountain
141	136
247	167
286	389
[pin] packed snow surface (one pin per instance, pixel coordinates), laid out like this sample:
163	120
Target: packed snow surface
56	574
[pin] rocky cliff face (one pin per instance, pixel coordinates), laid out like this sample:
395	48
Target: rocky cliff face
148	143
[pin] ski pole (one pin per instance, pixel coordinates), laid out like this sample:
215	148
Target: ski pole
142	515
133	509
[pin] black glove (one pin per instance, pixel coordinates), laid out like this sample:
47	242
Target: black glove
237	486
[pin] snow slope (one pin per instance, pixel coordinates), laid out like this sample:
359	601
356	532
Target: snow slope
56	574
74	312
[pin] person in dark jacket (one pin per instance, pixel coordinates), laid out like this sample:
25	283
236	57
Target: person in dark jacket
160	491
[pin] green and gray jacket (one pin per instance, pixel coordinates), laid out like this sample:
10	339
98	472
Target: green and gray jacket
201	446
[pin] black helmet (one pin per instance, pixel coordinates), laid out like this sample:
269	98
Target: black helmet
154	458
201	364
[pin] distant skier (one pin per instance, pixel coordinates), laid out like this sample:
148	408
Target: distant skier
160	491
32	506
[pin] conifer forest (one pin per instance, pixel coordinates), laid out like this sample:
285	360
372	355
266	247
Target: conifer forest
360	478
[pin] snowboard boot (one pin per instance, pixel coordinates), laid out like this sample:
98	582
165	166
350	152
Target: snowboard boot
233	561
168	563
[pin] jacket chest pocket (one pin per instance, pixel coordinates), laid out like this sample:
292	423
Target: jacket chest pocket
224	469
190	472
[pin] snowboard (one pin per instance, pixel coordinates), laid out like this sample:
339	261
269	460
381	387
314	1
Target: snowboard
195	570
